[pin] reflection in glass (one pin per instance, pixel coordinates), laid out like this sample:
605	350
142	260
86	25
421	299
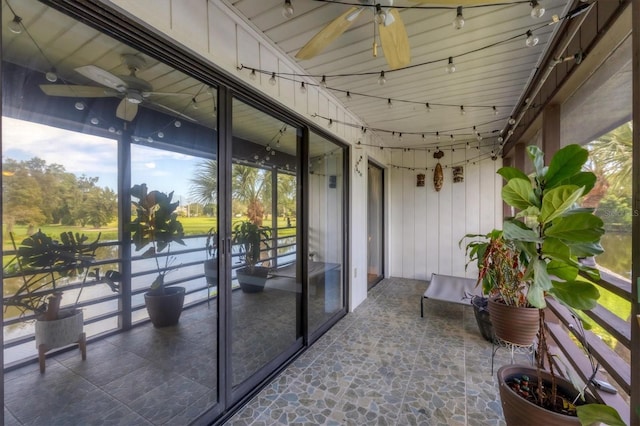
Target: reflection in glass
375	225
326	230
266	290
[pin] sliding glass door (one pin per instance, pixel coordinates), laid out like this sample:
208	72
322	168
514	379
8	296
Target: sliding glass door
375	225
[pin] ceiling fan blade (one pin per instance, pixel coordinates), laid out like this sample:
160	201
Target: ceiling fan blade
395	42
459	2
147	94
73	91
103	77
329	33
126	110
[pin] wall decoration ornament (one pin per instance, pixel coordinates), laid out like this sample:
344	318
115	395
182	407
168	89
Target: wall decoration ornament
420	179
438	176
458	174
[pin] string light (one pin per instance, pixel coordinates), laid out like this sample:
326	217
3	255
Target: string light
302	88
272	80
495	110
511	121
462	111
458	22
531	39
348	95
323	82
253	76
536	9
389	104
194	103
428	107
79	106
437	136
287	9
382	79
330	123
451	68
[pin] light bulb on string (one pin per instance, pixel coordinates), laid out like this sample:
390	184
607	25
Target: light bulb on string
536	9
500	140
495	110
323	82
272	80
451	68
253	76
79	106
287	9
458	22
511	121
389	104
382	79
462	111
437	136
475	132
399	137
177	123
302	88
15	26
468	146
330	122
194	103
479	137
452	138
348	95
531	39
428	107
52	75
95	121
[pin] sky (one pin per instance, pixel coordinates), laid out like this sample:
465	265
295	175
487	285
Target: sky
95	156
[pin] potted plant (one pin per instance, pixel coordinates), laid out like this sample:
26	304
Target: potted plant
502	267
250	239
211	262
155	227
553	231
46	268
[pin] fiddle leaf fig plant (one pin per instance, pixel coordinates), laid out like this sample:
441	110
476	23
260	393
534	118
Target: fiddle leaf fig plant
155	227
555	232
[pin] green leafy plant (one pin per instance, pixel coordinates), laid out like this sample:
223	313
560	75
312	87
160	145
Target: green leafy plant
47	266
155	227
553	231
250	238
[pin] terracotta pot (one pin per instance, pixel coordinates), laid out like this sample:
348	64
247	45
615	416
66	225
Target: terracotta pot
514	324
520	412
165	309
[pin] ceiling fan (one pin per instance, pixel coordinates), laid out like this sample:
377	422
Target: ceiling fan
392	31
393	34
132	89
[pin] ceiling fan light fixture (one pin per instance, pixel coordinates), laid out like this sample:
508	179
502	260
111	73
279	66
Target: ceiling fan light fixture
382	79
531	39
458	21
287	9
134	97
536	9
381	16
451	67
15	26
51	75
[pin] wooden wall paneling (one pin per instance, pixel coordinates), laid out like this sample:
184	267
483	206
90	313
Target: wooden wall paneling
433	220
247	52
445	237
394	218
189	23
268	61
472	198
458	212
408	215
487	197
222	37
421	246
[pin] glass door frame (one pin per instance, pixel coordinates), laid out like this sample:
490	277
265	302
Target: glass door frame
381	249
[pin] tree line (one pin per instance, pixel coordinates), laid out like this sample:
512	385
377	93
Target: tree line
35	193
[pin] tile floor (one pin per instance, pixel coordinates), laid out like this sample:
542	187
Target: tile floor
381	364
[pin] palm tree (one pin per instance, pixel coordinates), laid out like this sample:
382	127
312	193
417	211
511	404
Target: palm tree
251	185
612	154
204	183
